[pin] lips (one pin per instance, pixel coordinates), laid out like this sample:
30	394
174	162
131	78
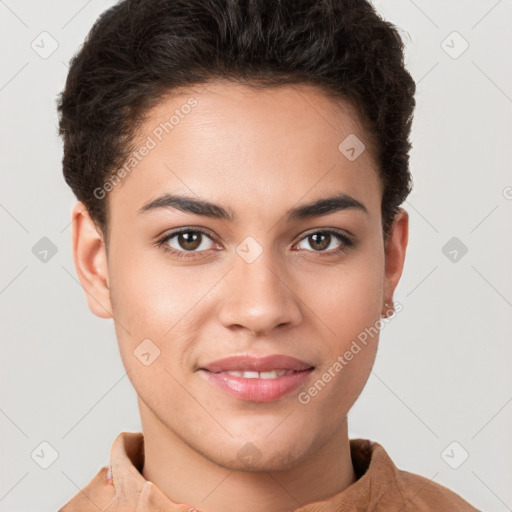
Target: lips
251	364
257	379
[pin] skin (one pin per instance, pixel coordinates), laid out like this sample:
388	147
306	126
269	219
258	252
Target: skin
259	153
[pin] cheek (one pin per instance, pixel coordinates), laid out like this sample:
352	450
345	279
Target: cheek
147	291
143	301
156	300
348	297
349	304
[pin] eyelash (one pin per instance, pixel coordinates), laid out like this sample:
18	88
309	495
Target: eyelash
346	244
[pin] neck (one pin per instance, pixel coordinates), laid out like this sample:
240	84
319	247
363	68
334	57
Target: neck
187	476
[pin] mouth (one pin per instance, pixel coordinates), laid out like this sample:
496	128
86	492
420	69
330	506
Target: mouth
257	379
271	374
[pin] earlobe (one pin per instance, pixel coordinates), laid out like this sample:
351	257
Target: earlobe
90	259
395	250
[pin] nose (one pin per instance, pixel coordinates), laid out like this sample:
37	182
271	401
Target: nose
257	296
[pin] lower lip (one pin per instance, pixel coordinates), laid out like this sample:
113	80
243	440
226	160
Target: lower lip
257	390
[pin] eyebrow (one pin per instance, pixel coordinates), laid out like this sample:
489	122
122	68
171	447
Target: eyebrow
205	208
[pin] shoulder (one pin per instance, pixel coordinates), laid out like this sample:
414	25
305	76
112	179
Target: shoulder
421	494
95	496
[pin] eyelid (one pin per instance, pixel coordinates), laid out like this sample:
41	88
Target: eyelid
342	232
186	229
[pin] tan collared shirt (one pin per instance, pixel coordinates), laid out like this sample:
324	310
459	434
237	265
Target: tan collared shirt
380	486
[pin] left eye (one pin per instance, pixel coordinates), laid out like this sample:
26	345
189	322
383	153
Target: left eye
322	240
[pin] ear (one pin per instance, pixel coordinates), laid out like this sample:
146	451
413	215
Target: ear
395	253
90	258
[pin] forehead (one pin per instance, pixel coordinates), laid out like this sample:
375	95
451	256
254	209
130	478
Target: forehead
248	146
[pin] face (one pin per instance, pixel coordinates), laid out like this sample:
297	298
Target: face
264	282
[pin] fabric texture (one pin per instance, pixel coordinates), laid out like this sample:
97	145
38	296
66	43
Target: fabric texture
380	486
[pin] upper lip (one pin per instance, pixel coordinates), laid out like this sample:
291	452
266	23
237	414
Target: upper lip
257	364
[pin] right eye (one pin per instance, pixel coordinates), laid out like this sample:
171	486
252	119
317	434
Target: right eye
183	241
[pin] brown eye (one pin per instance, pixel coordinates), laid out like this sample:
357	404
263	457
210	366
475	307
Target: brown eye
189	240
320	241
186	243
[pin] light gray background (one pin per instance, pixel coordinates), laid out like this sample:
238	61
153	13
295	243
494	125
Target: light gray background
443	371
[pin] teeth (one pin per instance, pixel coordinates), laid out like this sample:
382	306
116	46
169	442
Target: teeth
274	373
260	375
250	375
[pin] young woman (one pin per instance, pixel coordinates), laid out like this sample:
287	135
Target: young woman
239	169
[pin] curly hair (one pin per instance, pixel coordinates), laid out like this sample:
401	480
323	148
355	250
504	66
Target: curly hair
140	50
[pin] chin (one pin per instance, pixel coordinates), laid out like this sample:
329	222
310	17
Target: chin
279	461
284	452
